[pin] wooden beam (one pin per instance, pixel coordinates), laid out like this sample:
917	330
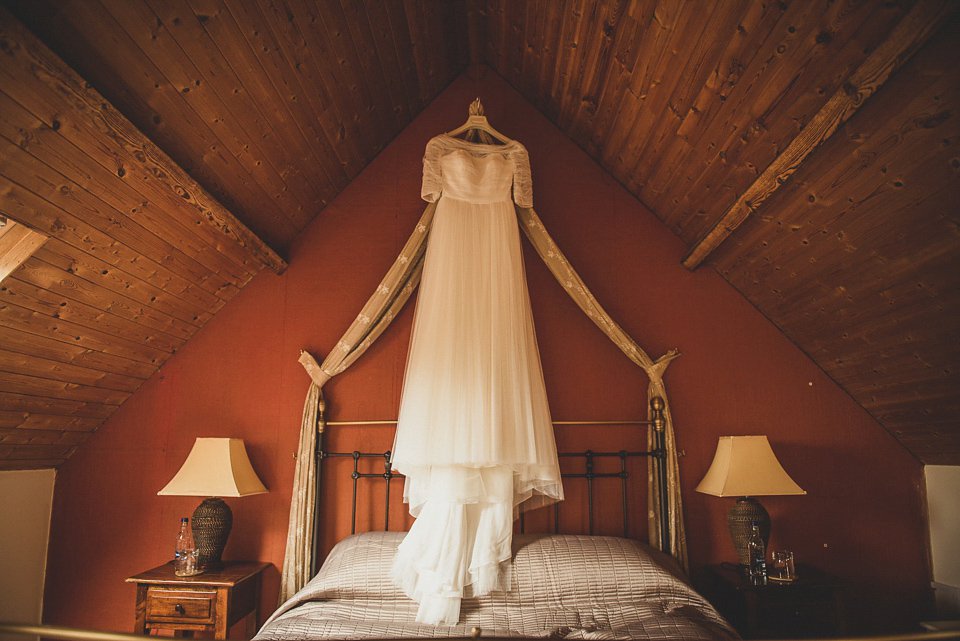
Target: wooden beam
17	244
908	36
22	48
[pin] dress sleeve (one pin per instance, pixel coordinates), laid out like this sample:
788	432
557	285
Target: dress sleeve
432	180
522	180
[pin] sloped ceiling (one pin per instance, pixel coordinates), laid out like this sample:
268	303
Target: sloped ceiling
172	149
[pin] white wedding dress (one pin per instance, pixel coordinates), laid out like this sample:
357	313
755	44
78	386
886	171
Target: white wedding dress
474	436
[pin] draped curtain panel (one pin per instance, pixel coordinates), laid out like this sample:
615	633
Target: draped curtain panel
379	311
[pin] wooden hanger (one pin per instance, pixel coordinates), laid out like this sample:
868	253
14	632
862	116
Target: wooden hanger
477	128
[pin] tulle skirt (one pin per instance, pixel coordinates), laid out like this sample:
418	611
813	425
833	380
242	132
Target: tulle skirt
474	435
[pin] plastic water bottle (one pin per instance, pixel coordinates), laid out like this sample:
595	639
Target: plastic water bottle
185	553
758	555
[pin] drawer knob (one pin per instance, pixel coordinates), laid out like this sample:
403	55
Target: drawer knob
178	608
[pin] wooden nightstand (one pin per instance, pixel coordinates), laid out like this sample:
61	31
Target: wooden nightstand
809	606
211	602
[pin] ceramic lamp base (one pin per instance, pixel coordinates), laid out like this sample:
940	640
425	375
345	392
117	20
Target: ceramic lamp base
746	511
212	521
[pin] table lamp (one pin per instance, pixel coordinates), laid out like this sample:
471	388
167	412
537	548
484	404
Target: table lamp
746	467
215	467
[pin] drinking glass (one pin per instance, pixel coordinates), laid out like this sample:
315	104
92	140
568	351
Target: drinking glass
783	569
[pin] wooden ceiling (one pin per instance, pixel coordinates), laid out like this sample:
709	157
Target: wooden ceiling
809	151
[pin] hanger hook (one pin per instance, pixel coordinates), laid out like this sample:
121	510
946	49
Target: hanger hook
476	109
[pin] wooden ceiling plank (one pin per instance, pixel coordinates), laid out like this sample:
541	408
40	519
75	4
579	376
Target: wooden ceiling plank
297	133
922	21
42	152
354	16
160	45
570	19
699	101
893	377
685	86
533	23
378	21
427	71
667	19
92	43
38	367
451	17
220	95
496	14
621	34
298	42
549	54
303	130
770	77
44	387
32	464
796	71
88	269
657	119
924	244
111	257
513	43
9	453
273	81
700	136
403	40
25	403
593	65
35	66
83	220
869	183
602	74
32	344
886	289
27	421
41	437
372	103
42	274
31	322
48	303
630	39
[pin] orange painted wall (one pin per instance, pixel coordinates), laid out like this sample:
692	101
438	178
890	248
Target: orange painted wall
863	516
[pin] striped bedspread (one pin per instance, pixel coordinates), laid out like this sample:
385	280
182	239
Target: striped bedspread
570	586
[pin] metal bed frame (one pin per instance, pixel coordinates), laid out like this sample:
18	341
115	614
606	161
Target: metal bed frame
658	452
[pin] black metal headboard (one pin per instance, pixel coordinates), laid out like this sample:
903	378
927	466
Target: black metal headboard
589	474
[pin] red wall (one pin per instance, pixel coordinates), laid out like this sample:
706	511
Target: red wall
862	518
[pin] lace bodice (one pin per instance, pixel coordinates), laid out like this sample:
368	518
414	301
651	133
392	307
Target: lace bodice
475	172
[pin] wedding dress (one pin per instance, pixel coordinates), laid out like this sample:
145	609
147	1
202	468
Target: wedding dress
474	436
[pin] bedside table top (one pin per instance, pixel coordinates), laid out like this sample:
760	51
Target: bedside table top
230	574
807	577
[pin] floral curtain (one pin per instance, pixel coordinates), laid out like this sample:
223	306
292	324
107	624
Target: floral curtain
379	311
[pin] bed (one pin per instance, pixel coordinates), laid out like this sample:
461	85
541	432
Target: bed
569	586
577	586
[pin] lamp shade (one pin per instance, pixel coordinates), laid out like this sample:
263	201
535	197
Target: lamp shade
746	466
215	467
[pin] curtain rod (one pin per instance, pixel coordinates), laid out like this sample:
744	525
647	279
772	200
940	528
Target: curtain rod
394	422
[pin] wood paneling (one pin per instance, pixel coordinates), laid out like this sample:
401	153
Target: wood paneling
688	104
138	257
178	145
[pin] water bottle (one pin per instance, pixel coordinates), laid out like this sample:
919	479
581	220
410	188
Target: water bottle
185	553
757	552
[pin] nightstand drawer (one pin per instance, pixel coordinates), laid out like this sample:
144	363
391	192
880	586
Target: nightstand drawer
211	602
196	606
